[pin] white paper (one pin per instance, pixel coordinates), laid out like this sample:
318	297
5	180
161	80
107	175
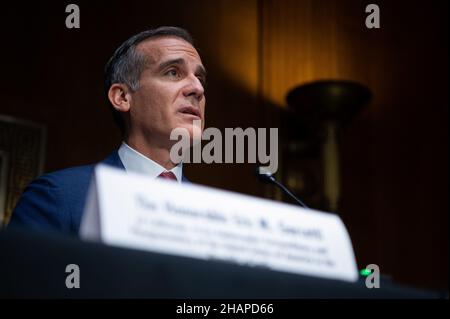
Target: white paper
134	211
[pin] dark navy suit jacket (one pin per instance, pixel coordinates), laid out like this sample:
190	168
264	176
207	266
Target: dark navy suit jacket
55	201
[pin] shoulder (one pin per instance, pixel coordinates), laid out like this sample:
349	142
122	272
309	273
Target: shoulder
51	201
72	176
55	201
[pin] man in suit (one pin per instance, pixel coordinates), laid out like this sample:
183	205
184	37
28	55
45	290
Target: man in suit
154	83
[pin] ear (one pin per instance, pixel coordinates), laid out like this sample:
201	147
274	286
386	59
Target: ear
120	97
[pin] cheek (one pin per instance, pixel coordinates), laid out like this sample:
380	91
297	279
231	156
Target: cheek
203	114
155	104
202	107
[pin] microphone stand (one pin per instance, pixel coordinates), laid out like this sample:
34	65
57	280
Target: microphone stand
267	177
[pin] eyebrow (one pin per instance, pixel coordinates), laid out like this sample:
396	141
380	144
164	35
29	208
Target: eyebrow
200	69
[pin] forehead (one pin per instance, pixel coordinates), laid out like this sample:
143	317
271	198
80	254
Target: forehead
163	48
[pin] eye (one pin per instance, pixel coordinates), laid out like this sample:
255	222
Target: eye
173	73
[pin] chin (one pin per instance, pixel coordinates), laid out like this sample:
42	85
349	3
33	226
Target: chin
195	131
196	134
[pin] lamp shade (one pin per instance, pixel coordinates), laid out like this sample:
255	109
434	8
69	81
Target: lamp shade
337	100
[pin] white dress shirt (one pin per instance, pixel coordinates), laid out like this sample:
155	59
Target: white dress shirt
135	162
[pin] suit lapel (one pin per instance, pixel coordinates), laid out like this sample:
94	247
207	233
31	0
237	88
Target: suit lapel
113	159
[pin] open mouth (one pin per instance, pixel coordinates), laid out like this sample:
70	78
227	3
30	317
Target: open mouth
190	110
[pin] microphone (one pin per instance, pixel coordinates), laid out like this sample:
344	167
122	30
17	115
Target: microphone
266	176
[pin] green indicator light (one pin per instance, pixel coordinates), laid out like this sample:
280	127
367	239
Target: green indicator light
365	272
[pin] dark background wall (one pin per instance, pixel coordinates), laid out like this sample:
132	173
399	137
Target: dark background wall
393	156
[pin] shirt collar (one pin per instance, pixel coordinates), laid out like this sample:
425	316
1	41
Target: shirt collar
133	161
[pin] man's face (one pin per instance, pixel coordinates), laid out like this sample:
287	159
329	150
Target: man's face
171	92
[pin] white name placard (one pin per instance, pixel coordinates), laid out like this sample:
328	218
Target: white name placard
135	211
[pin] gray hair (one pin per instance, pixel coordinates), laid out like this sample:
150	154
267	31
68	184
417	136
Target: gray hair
127	64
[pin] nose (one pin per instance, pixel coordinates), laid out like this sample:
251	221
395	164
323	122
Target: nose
194	88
